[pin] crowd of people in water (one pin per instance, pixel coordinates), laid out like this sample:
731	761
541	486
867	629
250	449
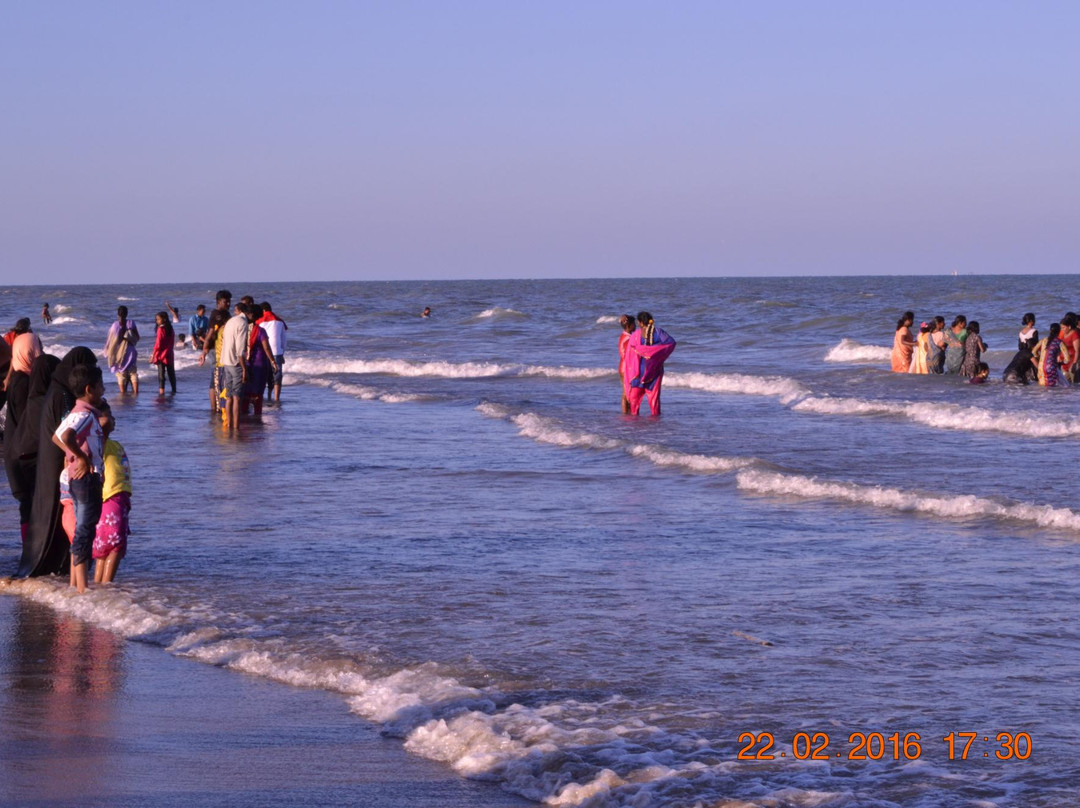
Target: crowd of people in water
1053	361
71	479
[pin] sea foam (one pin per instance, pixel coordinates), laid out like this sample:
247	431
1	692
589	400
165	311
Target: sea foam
498	311
851	351
543	429
314	366
781	387
940	415
959	506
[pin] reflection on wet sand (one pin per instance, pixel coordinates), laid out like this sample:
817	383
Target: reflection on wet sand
62	680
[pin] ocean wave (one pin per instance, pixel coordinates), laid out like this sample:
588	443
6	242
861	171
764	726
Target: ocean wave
60	308
959	506
65	320
564	752
498	311
851	351
546	746
543	429
363	393
781	387
57	349
121	297
607	318
948	416
312	366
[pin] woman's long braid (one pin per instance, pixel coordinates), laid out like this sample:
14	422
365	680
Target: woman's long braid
649	332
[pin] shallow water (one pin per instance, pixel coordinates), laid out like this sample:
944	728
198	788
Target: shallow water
449	523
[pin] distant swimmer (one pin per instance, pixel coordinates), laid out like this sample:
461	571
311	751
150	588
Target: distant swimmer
46	318
643	369
426	312
982	373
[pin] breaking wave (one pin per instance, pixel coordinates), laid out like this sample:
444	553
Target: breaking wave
851	351
785	389
547	430
549	747
498	311
948	416
311	366
959	506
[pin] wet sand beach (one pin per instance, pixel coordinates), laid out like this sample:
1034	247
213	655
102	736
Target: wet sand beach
89	718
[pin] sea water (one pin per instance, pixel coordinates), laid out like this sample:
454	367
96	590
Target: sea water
449	522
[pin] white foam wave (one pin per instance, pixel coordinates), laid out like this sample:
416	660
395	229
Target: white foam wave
65	320
607	318
107	607
315	366
948	416
546	430
851	351
60	307
780	386
363	393
498	311
960	506
121	297
57	349
562	753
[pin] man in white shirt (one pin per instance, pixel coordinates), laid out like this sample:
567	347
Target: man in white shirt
234	349
275	329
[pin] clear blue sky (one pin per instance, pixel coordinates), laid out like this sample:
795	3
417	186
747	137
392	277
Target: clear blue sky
148	141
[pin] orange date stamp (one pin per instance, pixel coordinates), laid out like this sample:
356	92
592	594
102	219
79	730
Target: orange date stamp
884	746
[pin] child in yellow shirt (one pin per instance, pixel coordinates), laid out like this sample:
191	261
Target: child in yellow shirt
110	543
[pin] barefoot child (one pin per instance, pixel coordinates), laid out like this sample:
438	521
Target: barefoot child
110	544
80	436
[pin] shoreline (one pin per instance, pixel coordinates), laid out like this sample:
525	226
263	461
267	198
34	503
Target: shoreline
88	717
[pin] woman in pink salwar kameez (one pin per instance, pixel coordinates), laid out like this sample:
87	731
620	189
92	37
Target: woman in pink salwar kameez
643	364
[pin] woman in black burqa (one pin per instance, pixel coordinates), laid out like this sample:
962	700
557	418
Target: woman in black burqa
26	395
46	550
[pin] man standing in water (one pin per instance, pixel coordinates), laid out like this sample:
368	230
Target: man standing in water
218	317
233	359
275	329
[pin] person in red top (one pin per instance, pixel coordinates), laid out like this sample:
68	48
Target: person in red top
1071	338
164	353
628	325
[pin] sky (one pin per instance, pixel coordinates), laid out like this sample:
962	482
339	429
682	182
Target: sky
146	141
